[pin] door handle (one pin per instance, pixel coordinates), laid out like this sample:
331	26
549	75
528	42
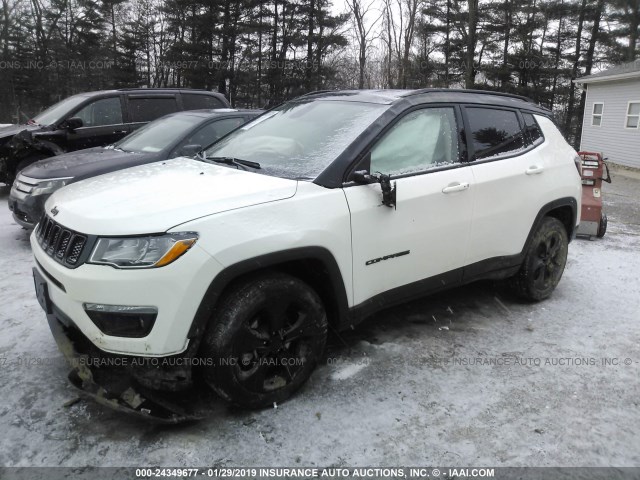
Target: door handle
119	131
458	187
534	170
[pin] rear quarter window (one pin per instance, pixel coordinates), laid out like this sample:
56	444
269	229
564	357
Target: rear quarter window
494	132
145	109
532	129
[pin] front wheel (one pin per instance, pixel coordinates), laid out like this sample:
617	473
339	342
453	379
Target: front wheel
544	261
264	340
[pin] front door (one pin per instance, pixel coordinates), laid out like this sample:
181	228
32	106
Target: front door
425	238
102	124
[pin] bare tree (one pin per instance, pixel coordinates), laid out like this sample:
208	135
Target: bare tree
469	73
411	8
401	19
576	64
364	30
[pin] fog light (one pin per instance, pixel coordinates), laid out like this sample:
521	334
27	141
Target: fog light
122	320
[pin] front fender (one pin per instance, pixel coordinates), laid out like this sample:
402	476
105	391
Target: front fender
271	260
27	142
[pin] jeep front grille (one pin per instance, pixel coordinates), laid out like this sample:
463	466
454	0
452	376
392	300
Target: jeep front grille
63	245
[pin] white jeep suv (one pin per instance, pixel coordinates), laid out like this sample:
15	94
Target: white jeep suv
227	269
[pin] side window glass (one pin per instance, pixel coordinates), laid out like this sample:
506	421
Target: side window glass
532	128
212	132
421	140
146	109
194	101
494	132
106	111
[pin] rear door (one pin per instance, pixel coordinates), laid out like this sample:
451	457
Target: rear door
102	124
426	235
509	181
143	108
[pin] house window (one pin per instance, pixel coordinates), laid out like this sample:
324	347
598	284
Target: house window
633	115
596	114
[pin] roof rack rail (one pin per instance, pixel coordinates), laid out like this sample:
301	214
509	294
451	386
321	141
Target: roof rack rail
128	89
464	90
314	92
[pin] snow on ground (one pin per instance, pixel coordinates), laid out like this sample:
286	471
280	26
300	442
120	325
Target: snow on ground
469	377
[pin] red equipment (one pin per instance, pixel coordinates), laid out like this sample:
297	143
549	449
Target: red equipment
593	221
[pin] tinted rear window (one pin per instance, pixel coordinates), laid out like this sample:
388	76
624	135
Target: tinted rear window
194	101
495	132
145	109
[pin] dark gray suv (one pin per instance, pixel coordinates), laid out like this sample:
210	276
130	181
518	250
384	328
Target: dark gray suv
174	135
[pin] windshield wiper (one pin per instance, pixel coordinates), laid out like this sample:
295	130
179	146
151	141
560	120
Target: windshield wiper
238	162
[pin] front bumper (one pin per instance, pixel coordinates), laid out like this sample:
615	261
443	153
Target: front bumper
26	209
117	381
175	290
151	376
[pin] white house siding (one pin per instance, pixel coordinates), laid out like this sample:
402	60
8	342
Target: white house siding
621	145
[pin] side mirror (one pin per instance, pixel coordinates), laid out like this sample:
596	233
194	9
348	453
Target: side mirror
363	177
190	150
388	192
73	123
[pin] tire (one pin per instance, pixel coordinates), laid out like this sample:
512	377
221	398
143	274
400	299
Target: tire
264	340
602	228
544	261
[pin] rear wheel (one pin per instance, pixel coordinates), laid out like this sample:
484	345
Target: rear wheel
544	261
265	339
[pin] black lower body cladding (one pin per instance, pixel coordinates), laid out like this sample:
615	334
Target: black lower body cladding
158	389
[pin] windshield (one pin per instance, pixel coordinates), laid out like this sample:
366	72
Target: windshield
299	139
58	111
159	134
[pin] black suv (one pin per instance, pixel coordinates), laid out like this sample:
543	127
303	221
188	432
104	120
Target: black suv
93	119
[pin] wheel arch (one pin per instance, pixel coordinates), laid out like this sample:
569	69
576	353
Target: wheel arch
314	265
564	209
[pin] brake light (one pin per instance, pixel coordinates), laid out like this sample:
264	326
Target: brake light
578	161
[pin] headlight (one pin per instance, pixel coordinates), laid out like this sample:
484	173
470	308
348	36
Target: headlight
49	186
142	252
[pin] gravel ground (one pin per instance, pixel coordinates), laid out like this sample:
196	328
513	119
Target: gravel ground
470	377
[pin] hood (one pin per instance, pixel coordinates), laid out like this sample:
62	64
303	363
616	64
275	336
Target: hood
87	163
155	197
11	130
